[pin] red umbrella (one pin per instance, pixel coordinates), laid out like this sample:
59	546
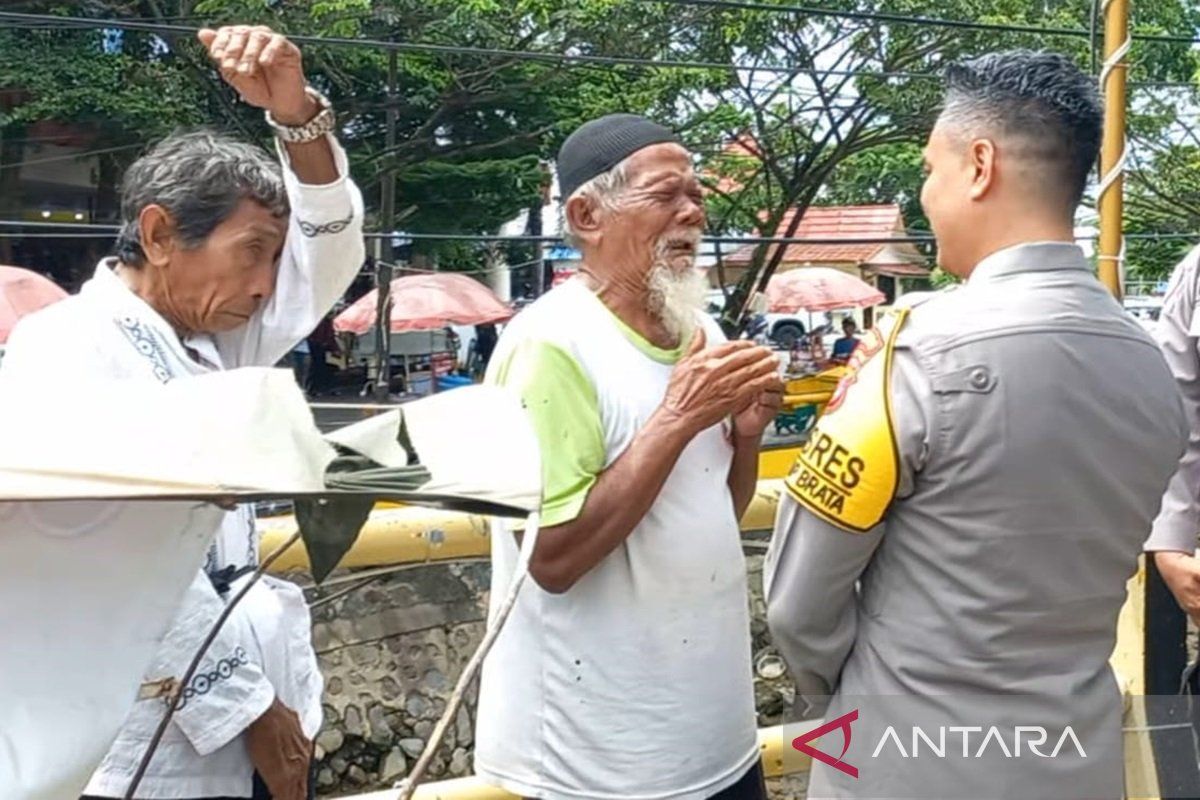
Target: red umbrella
427	302
819	289
23	292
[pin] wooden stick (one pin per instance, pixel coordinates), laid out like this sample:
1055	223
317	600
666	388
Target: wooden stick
177	693
409	785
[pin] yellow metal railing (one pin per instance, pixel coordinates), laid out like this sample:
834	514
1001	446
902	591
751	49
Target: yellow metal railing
413	535
814	390
770	744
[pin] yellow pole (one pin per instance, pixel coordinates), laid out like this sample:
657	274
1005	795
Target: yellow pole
415	535
1129	658
1112	155
775	761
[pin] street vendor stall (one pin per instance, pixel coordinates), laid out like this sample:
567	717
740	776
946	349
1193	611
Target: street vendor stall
812	377
429	303
805	398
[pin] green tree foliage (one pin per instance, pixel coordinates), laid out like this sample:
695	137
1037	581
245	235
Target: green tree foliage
1162	194
834	109
471	130
820	135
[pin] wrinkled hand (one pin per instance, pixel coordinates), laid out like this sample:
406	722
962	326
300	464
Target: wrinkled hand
1181	573
756	415
711	383
265	69
280	752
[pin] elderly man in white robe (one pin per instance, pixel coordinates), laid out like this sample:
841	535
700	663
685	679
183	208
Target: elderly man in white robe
223	260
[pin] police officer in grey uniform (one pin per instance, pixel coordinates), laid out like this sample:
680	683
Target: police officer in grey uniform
1173	540
1035	427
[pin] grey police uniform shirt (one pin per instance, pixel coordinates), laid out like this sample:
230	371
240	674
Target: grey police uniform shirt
1178	335
1037	426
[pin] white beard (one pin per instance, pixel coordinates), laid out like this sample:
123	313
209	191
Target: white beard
676	296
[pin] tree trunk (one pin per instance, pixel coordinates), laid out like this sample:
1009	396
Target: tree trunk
12	151
108	176
533	227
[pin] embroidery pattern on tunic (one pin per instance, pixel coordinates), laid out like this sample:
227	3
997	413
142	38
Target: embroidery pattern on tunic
202	683
147	345
251	538
336	226
145	342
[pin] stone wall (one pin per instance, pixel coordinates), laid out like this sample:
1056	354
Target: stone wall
390	653
392	650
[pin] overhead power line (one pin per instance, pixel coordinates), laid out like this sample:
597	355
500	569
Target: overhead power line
1156	237
903	19
88	23
100	230
70	156
405	47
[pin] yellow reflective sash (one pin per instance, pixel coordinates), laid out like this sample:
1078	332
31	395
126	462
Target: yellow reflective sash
847	473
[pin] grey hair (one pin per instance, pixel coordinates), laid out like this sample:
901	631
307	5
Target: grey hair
1039	97
199	178
605	190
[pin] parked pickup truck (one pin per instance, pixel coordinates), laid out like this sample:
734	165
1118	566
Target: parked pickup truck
782	329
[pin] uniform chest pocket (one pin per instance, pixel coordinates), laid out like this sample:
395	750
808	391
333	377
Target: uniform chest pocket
970	379
974	419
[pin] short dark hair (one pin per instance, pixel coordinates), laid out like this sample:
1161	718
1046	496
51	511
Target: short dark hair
1039	96
199	177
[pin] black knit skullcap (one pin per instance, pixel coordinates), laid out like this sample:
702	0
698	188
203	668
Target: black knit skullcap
598	146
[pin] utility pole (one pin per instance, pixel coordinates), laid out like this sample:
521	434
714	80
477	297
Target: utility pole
533	225
383	274
1112	155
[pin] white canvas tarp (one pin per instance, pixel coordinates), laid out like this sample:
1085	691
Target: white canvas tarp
248	434
106	512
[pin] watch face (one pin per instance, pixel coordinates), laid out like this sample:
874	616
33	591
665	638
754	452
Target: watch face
310	131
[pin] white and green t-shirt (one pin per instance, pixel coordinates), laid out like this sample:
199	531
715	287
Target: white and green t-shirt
636	683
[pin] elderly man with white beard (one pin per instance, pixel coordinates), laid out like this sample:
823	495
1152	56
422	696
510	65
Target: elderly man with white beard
624	673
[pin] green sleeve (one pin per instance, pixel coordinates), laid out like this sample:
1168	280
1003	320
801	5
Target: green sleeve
562	405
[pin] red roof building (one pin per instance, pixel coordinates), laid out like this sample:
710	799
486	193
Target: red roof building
831	224
838	232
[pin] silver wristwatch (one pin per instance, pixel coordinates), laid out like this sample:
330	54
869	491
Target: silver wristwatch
310	131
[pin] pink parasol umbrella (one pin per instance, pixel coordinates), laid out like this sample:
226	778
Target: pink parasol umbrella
426	302
819	289
23	292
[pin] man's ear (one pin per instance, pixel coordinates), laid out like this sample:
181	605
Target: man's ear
982	155
583	217
156	227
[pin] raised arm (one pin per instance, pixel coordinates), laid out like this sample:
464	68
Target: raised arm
324	248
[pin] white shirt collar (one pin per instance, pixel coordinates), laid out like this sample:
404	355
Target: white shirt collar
1029	257
108	287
